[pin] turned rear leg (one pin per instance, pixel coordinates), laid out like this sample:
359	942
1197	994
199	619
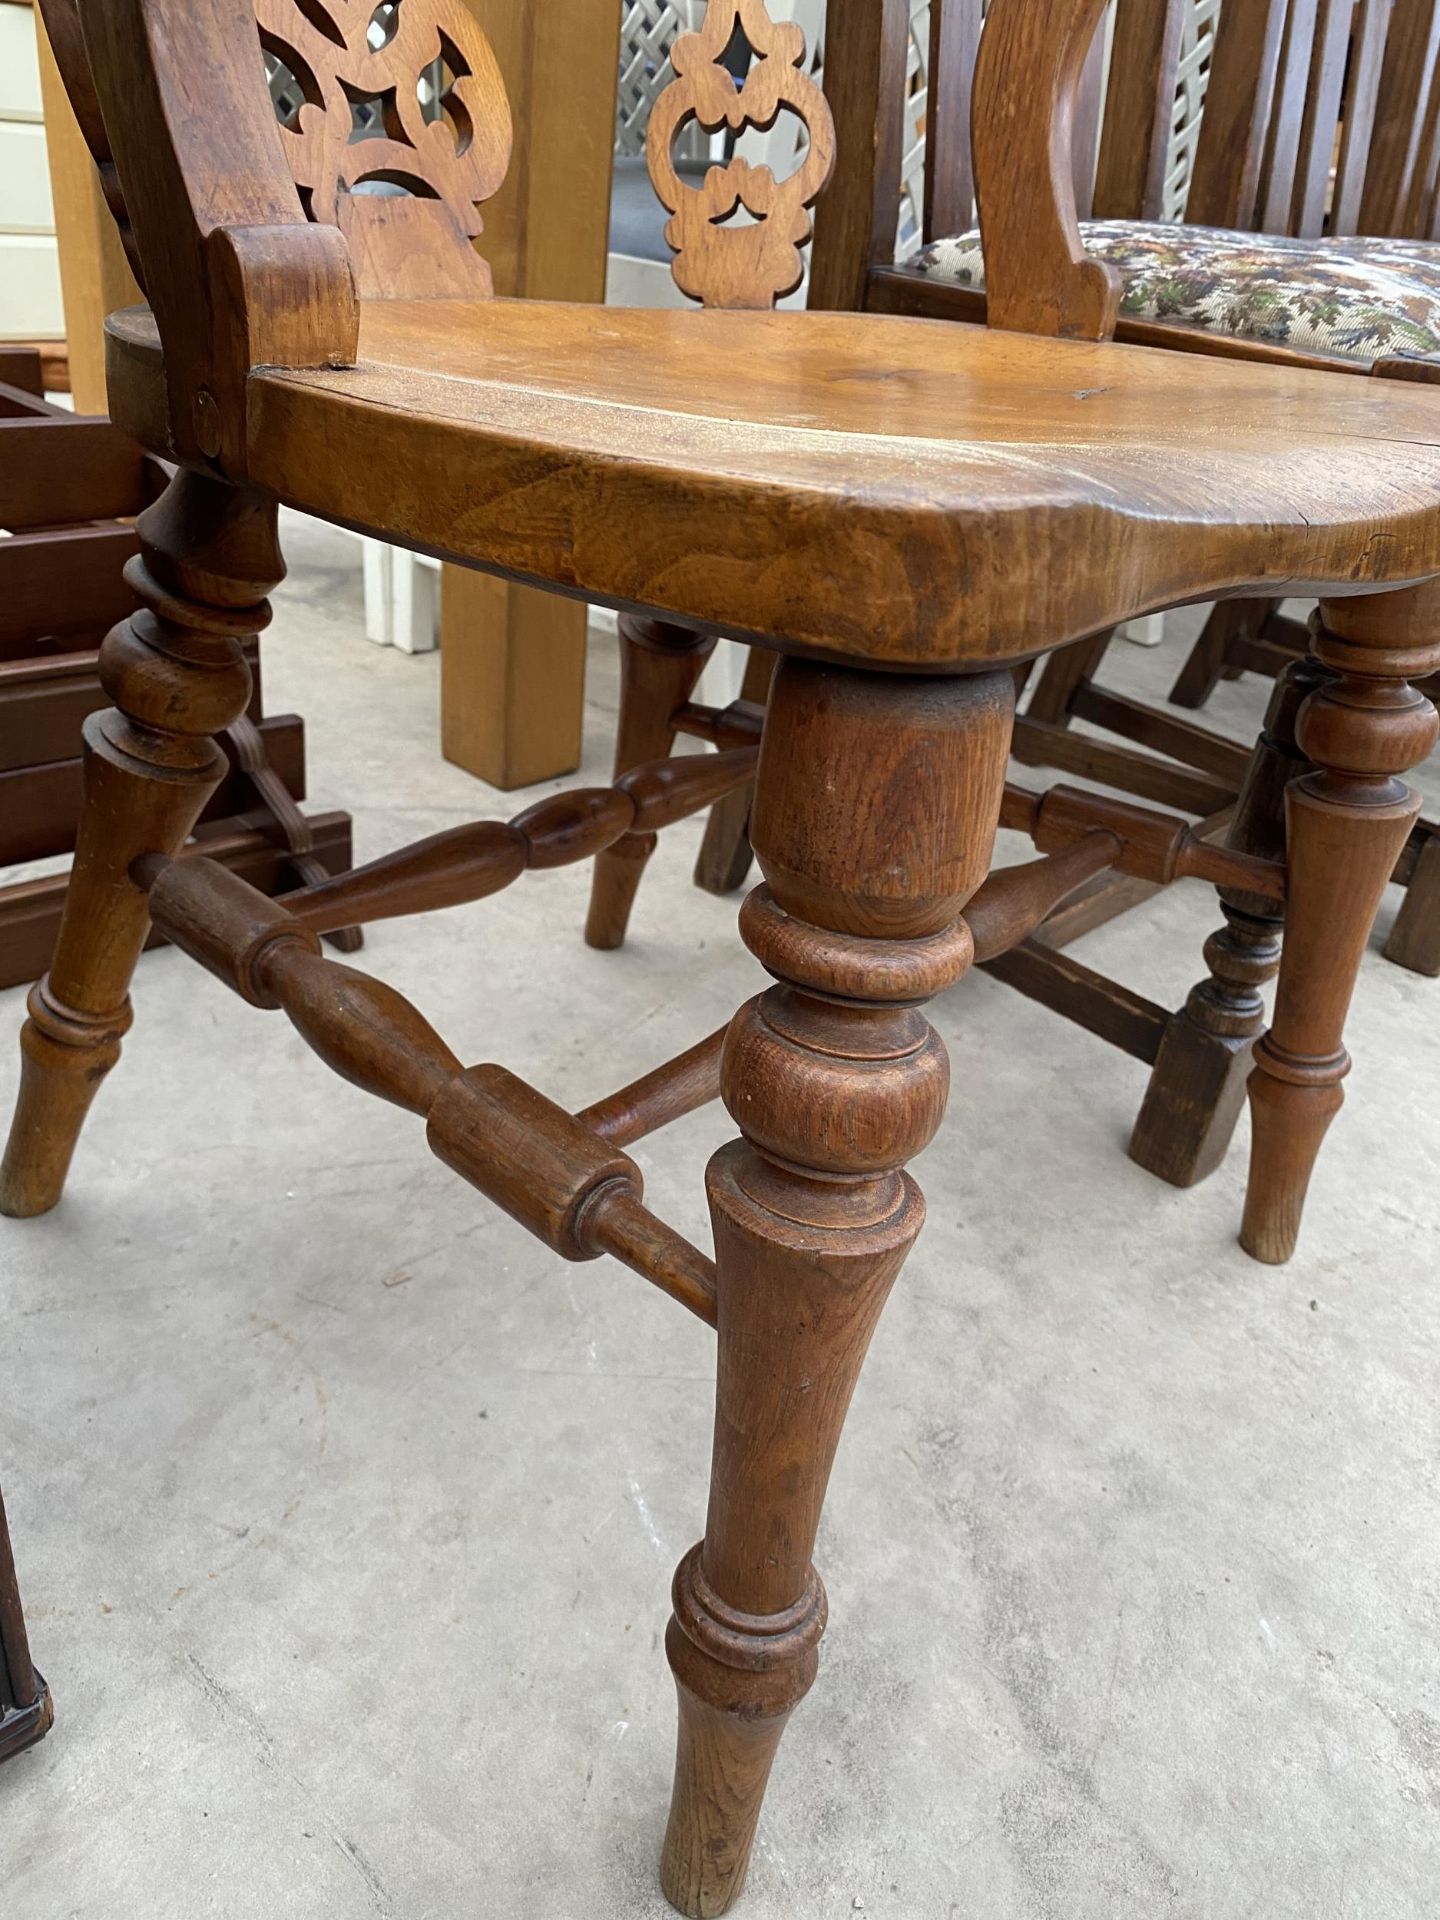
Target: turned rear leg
1196	1090
177	675
1348	822
660	665
725	858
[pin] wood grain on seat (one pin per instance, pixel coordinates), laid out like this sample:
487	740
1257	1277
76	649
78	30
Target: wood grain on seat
877	487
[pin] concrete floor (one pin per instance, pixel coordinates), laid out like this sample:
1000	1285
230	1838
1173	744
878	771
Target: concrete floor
346	1515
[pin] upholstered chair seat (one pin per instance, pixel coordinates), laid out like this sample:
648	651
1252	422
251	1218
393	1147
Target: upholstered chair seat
1357	298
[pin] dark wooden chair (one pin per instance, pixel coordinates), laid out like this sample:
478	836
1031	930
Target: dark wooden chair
905	512
1320	125
1314	174
27	1711
1199	1054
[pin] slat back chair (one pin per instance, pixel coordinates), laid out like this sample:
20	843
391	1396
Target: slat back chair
1296	87
1309	107
906	513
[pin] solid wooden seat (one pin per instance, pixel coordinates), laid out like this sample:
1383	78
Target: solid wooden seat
872	488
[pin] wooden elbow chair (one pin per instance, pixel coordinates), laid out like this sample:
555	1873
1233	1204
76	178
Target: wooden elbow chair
904	512
1307	241
1264	152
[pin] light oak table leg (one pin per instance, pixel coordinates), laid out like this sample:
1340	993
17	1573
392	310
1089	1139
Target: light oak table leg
512	666
1348	821
835	1079
178	677
95	277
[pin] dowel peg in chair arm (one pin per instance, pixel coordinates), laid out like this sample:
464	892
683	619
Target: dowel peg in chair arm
539	1163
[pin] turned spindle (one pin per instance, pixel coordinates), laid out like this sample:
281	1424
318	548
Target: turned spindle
1347	823
177	675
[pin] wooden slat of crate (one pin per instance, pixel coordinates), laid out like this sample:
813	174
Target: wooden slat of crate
30	912
45	702
40	806
54	587
57	473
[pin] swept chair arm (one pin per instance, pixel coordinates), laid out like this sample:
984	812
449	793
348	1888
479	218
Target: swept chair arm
237	275
1028	79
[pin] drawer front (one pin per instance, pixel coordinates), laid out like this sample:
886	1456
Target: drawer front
25	203
30	303
19	64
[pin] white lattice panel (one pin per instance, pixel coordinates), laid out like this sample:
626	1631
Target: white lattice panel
917	106
1192	82
648	30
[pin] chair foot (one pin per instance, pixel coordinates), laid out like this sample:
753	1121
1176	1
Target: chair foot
177	673
1292	1104
734	1709
1197	1089
64	1058
25	1727
1348	822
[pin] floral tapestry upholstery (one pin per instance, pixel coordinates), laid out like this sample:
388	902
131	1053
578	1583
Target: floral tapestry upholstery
1359	299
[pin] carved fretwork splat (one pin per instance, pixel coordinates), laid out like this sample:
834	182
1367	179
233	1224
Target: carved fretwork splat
719	261
450	165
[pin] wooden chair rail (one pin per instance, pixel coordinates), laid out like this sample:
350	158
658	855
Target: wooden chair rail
469	863
547	1169
1150	846
683	1085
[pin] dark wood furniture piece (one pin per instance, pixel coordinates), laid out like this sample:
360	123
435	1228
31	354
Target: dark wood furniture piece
1319	120
906	512
27	1711
69	491
1283	99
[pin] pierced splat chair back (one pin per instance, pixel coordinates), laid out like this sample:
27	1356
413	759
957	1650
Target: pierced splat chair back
408	195
255	230
718	260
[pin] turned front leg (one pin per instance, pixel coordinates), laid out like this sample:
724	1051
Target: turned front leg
1348	821
875	814
177	674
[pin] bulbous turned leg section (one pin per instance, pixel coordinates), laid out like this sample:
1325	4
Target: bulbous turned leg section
660	666
1197	1087
177	675
835	1079
1348	820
